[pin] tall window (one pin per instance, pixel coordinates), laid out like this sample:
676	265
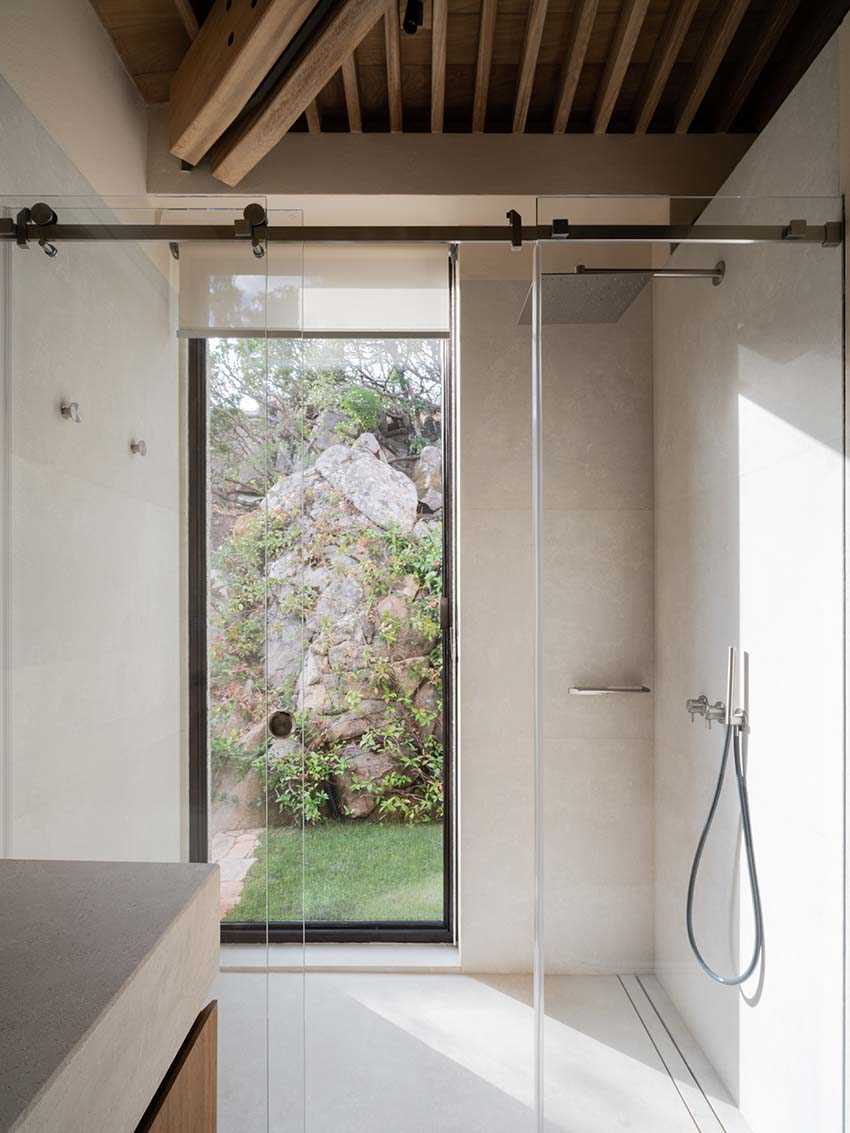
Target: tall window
327	592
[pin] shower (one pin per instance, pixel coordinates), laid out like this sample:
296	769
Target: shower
735	723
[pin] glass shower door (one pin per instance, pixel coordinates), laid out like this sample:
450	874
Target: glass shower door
689	477
241	312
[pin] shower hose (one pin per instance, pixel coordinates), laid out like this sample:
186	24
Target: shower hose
733	740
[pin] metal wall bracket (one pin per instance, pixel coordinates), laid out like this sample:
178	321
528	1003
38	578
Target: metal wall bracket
795	230
254	227
833	234
515	221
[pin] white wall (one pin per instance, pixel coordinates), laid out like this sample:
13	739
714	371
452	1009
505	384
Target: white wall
749	528
93	733
58	58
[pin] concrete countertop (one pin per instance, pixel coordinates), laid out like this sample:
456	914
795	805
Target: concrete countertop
103	968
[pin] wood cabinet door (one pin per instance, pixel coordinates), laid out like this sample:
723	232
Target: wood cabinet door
186	1100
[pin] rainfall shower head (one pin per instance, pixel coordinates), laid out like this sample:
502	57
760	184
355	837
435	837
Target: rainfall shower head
603	295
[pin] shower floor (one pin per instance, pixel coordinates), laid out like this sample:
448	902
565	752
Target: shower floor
454	1053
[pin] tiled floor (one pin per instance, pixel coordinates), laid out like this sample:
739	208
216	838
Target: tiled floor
452	1053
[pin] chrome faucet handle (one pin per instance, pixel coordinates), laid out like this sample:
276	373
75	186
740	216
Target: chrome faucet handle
696	706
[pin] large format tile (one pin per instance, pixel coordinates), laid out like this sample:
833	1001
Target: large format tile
495	397
597	412
597	606
598	855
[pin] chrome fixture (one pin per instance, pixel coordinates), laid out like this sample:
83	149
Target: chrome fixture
139	448
715	274
605	690
737	728
70	410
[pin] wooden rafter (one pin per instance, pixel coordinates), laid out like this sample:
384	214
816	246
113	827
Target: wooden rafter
314	121
753	64
439	28
392	34
580	33
484	61
619	57
187	15
530	51
248	144
352	95
714	47
679	19
236	47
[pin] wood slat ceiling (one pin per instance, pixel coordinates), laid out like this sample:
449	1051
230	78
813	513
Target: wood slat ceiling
575	65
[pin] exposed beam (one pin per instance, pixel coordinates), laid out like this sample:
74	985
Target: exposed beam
666	52
748	71
580	33
352	95
392	33
486	31
530	51
714	47
246	145
619	57
314	122
233	51
438	64
187	15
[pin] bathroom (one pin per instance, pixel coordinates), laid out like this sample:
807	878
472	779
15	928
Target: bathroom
461	752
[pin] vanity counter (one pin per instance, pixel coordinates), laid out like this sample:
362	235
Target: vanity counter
104	967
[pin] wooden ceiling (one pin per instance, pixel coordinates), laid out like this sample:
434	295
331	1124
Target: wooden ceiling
624	66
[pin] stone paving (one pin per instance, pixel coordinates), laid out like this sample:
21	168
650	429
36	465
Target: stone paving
235	851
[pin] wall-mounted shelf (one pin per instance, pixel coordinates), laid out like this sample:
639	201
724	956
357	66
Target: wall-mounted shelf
589	690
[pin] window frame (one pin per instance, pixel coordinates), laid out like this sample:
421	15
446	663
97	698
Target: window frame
348	932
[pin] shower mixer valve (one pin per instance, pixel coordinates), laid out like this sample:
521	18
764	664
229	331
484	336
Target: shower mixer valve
719	711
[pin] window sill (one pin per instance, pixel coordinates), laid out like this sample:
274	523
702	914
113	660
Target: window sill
414	958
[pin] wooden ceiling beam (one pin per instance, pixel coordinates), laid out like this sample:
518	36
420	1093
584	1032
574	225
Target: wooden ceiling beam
352	95
530	51
392	35
187	15
754	63
679	19
439	25
619	57
486	33
245	146
580	33
314	121
714	47
233	51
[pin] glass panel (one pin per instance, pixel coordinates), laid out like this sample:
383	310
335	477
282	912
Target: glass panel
93	547
691	464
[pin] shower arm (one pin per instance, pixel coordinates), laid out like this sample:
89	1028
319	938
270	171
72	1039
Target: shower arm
715	274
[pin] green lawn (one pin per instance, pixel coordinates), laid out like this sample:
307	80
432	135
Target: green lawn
352	872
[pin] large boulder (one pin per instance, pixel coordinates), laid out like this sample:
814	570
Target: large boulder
385	496
428	477
365	768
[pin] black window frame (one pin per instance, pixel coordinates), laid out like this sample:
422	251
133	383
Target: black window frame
349	932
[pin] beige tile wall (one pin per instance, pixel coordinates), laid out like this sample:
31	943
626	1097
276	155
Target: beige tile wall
598	597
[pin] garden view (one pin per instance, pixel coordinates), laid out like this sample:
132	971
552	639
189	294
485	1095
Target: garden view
325	579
